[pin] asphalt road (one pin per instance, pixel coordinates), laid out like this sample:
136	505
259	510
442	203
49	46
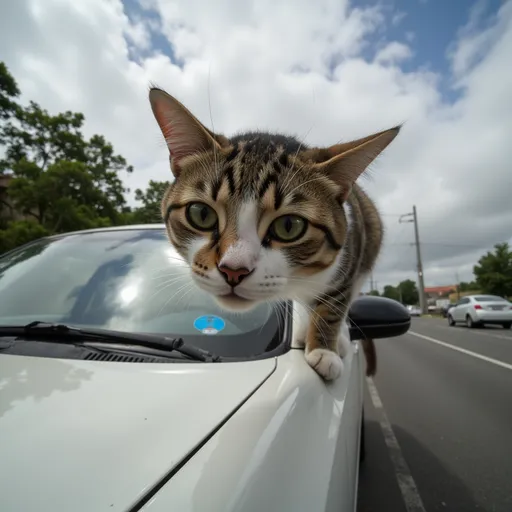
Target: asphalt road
451	414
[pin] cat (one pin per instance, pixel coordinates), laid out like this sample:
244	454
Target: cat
261	217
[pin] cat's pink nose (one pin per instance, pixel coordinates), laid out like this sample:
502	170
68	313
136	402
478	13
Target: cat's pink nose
233	276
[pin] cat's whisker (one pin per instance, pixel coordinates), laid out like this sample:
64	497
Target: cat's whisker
308	281
160	289
314	285
318	178
190	297
170	257
177	275
215	151
269	309
314	317
280	309
288	181
332	307
357	327
170	271
171	268
168	282
186	293
183	287
303	139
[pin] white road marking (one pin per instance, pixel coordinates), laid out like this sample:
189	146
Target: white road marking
406	483
463	350
479	332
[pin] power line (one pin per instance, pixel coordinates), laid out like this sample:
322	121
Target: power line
440	244
413	217
389	214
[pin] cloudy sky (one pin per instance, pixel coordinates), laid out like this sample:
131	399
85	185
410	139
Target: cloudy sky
326	71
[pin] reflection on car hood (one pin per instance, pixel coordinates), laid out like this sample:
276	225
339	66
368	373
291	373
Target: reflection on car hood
95	436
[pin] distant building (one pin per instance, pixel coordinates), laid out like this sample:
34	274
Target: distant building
437	292
434	293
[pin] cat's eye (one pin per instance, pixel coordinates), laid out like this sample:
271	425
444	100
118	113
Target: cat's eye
288	228
201	216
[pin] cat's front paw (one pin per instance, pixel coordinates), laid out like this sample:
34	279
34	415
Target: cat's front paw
326	363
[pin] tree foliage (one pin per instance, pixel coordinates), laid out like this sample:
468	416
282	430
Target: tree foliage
151	199
391	292
20	232
61	179
9	91
494	271
408	292
58	180
468	286
405	292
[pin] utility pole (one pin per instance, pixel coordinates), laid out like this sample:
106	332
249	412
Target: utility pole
374	285
421	290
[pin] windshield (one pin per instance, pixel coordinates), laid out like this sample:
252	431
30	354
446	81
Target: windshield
127	280
490	298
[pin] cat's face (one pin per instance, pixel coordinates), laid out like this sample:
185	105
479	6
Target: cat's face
254	228
258	218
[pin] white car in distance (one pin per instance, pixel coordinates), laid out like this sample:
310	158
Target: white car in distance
414	310
478	310
125	388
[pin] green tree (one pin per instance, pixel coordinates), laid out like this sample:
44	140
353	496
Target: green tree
374	293
9	91
408	292
20	232
391	292
467	287
151	199
494	271
60	179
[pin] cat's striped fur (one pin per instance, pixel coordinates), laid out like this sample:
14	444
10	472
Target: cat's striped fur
237	248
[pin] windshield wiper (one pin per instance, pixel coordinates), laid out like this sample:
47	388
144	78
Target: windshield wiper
69	333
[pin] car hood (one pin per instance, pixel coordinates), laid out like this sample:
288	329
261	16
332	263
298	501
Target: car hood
96	436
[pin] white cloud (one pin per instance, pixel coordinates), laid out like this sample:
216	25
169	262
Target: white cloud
398	17
474	43
393	52
299	67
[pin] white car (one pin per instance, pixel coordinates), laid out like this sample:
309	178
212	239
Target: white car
125	388
414	310
478	310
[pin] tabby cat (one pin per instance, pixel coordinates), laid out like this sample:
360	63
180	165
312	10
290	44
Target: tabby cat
260	217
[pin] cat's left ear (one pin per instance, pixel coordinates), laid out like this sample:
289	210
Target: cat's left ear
344	163
184	133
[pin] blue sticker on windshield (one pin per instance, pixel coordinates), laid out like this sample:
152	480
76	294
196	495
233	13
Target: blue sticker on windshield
209	324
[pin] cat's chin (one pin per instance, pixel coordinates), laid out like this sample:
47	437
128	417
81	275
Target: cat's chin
232	302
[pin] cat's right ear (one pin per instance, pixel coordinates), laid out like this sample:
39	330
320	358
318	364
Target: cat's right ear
184	134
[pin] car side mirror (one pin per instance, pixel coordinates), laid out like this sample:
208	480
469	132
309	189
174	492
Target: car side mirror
377	317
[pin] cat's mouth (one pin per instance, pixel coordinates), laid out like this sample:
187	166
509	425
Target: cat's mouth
234	302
